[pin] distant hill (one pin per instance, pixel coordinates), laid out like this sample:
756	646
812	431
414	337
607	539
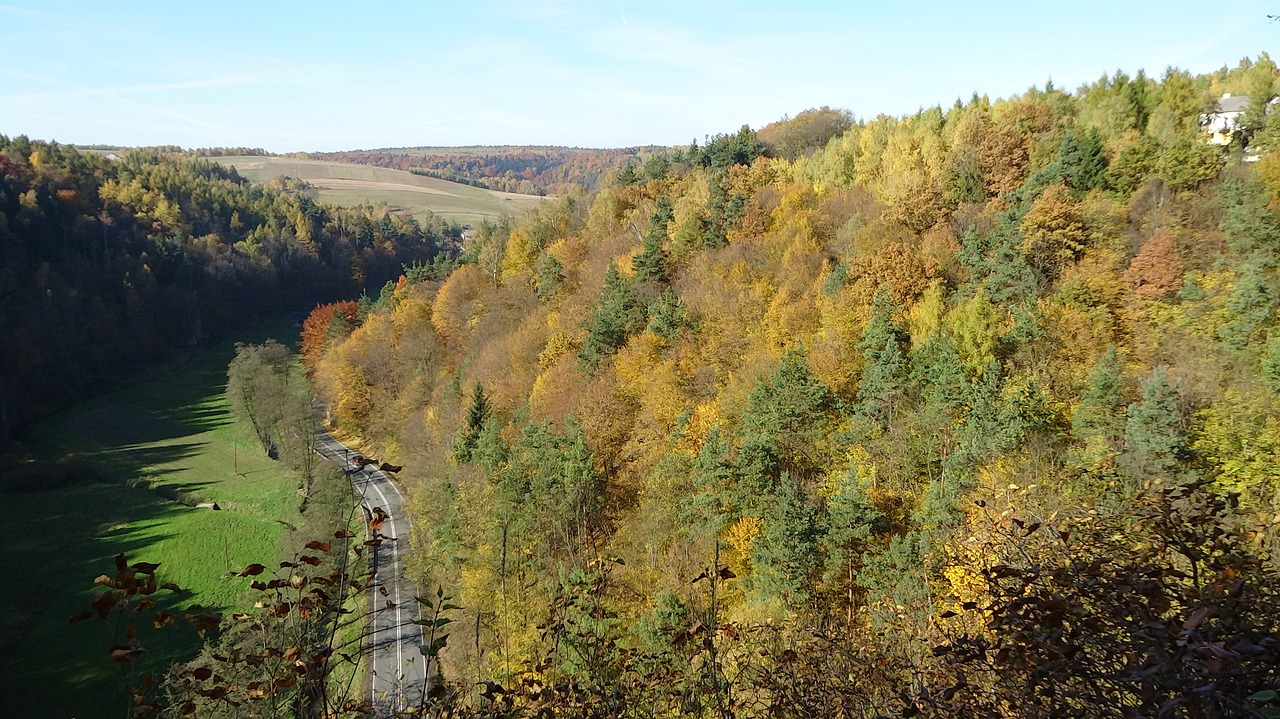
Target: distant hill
530	170
346	184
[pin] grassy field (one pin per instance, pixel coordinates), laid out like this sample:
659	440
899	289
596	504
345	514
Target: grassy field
347	184
167	434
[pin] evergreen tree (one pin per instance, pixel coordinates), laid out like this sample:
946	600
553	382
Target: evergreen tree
784	555
884	368
490	449
790	405
936	366
991	425
785	425
849	523
1081	160
477	414
973	253
651	264
1154	439
1096	413
1010	279
549	277
837	279
667	317
712	500
1270	363
1249	224
617	314
724	151
1250	306
627	175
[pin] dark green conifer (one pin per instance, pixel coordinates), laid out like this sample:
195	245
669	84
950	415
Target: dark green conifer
550	276
617	314
884	368
477	414
651	264
667	317
1098	408
1155	441
784	555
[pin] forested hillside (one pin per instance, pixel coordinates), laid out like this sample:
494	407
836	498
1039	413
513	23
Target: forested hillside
106	267
966	413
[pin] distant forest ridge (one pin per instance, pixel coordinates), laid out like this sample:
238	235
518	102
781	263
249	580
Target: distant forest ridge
108	266
526	170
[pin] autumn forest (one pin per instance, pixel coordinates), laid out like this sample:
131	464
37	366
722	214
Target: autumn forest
973	412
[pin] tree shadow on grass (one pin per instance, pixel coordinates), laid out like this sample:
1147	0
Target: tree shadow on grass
201	417
119	425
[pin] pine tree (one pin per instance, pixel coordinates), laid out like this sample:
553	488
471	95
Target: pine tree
936	366
477	414
617	314
884	368
651	264
667	316
1154	439
1096	413
991	425
711	501
849	523
785	554
787	417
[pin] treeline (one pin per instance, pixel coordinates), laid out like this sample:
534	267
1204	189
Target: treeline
971	412
529	171
108	266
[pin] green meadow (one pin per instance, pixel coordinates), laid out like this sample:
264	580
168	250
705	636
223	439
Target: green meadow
166	437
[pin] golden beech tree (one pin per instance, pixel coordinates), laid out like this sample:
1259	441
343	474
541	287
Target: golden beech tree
1054	231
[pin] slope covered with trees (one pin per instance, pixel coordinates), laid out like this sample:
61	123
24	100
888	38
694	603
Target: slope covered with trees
109	266
966	413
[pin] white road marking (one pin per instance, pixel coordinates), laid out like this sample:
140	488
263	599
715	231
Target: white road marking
341	454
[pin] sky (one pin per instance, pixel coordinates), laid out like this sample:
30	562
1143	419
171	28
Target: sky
325	76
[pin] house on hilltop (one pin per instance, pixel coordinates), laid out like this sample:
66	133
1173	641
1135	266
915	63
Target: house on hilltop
1225	124
1224	120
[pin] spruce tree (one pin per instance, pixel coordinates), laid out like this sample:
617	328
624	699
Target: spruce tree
651	264
785	554
617	314
477	414
1082	162
1097	411
667	316
1154	439
1249	305
1246	220
884	368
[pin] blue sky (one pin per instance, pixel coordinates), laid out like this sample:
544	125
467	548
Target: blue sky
292	76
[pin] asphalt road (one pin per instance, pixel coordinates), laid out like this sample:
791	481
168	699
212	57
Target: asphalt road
395	664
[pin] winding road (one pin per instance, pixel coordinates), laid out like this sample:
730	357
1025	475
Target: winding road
395	664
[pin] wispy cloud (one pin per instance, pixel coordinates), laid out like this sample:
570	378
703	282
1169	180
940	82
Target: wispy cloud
28	13
123	90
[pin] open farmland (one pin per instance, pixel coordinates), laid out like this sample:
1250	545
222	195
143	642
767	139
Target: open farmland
347	184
